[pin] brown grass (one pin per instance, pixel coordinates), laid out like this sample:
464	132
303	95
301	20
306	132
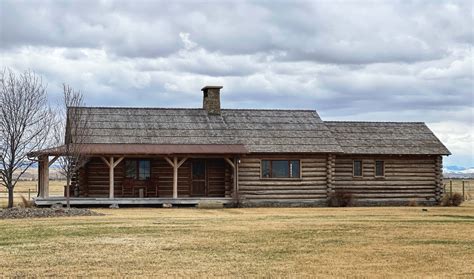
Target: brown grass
259	242
55	188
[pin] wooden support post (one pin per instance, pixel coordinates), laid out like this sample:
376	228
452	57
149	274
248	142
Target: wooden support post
236	179
175	164
40	179
450	188
110	163
52	161
232	164
463	193
43	176
234	168
175	177
111	178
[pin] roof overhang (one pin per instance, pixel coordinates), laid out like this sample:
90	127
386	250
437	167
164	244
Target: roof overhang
146	149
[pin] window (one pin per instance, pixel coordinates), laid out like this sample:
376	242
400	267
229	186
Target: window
357	168
379	168
138	169
144	170
280	169
131	169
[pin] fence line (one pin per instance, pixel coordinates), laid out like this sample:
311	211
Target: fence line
463	187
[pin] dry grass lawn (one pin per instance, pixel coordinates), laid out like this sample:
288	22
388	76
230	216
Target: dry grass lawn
262	242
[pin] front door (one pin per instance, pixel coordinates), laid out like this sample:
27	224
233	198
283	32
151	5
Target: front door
198	186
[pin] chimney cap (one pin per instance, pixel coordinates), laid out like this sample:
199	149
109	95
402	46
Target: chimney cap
211	87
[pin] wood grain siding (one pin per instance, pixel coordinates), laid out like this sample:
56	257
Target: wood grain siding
311	185
163	172
406	178
98	178
94	178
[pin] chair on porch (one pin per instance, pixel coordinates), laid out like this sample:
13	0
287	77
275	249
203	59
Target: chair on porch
127	187
152	187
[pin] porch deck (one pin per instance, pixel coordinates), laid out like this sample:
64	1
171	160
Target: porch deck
129	201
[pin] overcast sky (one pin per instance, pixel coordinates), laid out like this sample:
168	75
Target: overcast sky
349	60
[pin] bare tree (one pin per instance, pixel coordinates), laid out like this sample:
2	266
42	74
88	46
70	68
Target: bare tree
71	132
25	123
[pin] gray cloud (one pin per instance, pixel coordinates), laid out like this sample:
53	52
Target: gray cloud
362	60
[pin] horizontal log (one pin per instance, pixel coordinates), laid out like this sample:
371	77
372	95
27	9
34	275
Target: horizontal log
302	188
284	196
284	192
383	182
410	195
387	178
377	191
384	187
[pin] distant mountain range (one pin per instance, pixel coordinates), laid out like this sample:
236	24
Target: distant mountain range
458	172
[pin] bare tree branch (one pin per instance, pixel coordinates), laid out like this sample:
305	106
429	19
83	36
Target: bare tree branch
25	123
72	132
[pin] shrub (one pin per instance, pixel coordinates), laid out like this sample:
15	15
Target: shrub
25	203
413	202
454	199
341	198
457	199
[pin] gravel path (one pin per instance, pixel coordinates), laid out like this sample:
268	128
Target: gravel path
19	213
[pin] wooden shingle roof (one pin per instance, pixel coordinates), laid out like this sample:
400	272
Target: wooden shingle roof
410	138
261	131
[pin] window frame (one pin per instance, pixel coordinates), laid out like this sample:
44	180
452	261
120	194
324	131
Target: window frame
289	169
361	168
137	169
383	169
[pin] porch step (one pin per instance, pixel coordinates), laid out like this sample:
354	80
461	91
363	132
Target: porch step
130	201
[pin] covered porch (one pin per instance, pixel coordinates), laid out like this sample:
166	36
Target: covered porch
135	174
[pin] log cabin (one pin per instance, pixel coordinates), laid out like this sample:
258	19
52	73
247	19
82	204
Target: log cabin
247	157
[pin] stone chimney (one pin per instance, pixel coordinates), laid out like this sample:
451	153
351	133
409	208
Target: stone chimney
211	101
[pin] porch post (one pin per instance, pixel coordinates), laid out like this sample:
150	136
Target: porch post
111	178
111	164
43	176
175	177
234	164
175	164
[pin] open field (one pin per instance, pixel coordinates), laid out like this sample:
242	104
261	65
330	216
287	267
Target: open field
23	188
262	242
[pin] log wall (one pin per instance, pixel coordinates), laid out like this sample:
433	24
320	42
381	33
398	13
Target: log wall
310	189
407	178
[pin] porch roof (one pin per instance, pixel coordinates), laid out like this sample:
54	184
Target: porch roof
148	149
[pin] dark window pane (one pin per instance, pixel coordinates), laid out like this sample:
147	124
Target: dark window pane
379	168
131	169
295	169
199	169
357	168
280	169
266	169
144	170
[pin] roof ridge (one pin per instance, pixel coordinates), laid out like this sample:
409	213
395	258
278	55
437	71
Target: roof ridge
145	108
181	108
376	122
